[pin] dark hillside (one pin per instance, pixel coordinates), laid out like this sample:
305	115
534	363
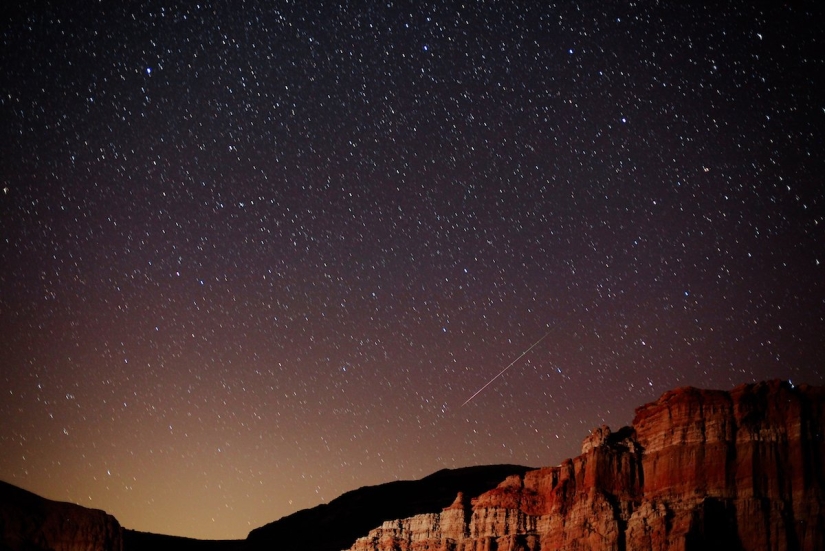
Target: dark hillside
334	526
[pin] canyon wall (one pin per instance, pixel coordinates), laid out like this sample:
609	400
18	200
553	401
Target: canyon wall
31	523
698	469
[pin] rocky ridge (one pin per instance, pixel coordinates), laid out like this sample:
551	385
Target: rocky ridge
335	525
698	469
31	523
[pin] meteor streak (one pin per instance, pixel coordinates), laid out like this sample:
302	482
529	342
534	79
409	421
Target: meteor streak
532	346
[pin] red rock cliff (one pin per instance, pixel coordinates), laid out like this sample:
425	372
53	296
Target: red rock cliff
698	469
743	467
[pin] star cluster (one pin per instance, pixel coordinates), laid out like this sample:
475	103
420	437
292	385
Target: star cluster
258	254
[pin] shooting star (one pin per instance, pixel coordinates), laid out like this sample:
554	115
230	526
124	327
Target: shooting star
532	346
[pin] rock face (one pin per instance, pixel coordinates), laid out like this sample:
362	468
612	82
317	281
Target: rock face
698	469
31	523
744	467
333	526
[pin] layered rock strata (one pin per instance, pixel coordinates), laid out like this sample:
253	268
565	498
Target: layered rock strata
335	525
697	469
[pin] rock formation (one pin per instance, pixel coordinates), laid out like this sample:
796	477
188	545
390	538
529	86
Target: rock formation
697	469
743	467
335	525
31	523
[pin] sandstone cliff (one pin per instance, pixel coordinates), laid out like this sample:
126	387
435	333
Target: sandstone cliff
698	469
31	523
334	525
743	467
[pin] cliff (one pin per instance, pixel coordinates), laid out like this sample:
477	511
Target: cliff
31	523
743	467
698	469
335	525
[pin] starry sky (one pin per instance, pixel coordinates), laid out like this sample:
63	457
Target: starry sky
257	254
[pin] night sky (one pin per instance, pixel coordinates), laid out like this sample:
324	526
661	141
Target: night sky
255	256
